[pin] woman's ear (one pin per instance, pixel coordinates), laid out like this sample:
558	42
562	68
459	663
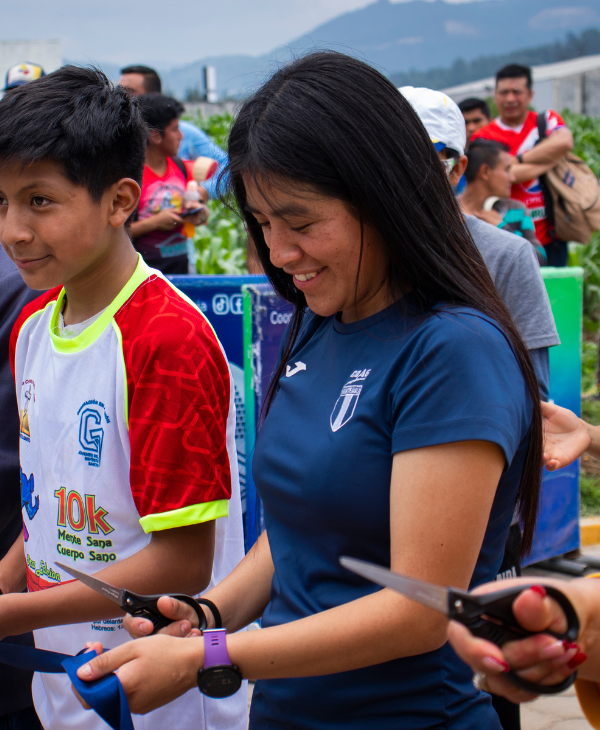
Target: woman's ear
125	195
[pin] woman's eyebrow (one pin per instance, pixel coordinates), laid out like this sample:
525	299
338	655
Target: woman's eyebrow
290	209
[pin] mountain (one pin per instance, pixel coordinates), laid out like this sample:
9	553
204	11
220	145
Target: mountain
404	36
461	72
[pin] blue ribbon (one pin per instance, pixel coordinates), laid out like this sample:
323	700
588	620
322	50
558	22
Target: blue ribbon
105	696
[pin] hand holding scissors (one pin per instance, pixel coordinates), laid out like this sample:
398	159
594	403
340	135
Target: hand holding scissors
134	604
488	616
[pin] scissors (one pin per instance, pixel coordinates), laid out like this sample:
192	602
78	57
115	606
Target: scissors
134	604
488	616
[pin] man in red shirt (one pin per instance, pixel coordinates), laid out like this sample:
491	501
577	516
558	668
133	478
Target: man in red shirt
158	232
516	128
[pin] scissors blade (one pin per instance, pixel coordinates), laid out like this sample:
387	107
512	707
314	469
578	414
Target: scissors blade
427	594
105	589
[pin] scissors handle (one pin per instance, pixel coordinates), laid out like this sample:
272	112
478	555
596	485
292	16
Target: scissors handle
146	607
490	616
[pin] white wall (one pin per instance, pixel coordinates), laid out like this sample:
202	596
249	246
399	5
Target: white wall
48	54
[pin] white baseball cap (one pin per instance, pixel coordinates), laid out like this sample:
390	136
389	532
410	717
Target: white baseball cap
440	115
22	73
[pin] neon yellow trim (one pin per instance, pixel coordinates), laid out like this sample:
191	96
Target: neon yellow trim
37	314
126	403
91	333
193	515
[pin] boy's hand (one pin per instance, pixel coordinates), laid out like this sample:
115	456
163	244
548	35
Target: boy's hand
199	218
152	672
167	220
185	620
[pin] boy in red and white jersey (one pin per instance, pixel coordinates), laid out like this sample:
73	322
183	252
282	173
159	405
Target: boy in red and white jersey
516	128
127	417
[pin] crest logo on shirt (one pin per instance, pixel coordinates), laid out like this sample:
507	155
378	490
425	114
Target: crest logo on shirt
345	405
91	432
27	399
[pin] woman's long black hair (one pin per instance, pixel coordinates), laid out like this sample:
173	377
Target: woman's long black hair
336	125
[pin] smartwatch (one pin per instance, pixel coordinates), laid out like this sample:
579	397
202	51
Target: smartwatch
520	158
219	678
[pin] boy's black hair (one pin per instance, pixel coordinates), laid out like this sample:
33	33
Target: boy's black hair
75	117
515	71
152	81
159	110
482	152
469	105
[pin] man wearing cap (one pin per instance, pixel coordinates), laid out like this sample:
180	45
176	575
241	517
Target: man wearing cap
21	74
514	268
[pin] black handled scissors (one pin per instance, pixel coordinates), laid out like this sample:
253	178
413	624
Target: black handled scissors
134	604
488	616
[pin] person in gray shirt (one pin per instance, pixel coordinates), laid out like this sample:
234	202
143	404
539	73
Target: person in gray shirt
515	271
510	259
512	262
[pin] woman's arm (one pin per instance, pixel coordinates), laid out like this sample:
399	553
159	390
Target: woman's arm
436	492
241	598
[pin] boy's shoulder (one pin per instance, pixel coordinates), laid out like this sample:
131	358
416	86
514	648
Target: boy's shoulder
158	318
37	305
29	310
33	307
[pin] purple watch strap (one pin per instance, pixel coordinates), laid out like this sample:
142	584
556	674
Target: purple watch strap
215	647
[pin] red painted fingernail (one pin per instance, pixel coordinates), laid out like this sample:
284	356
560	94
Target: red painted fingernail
577	660
570	645
540	590
495	665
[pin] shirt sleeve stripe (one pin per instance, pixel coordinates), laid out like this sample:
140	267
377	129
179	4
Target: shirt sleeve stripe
192	515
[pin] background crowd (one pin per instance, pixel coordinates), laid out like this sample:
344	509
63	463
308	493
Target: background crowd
496	167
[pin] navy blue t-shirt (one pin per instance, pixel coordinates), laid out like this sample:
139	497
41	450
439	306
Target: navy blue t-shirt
322	466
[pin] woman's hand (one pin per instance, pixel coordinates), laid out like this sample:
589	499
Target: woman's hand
153	672
541	659
185	620
566	436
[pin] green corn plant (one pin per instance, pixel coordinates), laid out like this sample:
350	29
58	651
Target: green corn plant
221	244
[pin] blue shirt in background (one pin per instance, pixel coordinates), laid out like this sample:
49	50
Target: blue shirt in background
322	465
196	143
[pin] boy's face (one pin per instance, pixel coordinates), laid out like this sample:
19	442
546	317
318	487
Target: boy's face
474	119
499	179
50	227
171	138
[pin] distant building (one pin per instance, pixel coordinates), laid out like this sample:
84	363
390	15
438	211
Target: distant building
573	85
48	54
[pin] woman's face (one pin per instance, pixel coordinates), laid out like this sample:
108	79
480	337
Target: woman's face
317	240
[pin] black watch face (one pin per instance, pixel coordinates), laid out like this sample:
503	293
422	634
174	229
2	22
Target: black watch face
219	681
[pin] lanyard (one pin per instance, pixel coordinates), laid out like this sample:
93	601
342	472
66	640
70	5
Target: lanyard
105	696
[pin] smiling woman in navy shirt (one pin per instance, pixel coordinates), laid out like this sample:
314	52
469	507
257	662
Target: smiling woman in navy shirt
407	438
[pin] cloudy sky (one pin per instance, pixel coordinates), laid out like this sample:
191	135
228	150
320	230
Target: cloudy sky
167	33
